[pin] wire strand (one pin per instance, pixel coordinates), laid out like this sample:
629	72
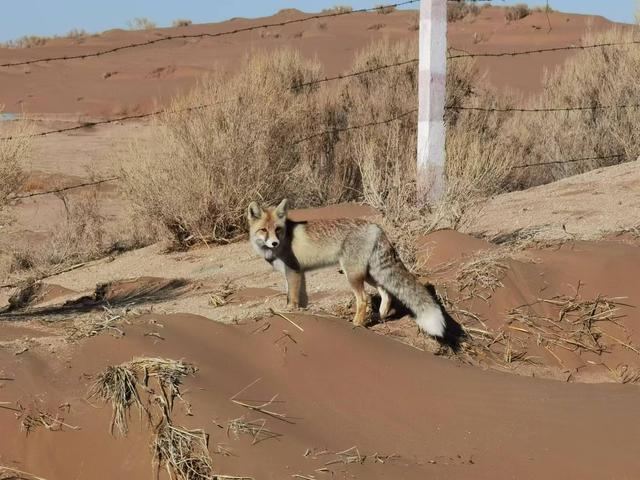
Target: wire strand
205	35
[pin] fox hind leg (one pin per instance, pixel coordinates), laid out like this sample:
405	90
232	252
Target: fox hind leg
356	281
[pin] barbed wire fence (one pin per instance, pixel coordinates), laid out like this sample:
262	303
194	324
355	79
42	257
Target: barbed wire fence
354	74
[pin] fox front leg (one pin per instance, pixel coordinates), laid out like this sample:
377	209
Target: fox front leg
296	289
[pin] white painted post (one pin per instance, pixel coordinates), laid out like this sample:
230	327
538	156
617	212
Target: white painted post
431	97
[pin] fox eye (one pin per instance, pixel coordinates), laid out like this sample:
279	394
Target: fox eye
263	231
278	231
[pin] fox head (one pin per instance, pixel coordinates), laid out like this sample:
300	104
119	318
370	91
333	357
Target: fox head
267	225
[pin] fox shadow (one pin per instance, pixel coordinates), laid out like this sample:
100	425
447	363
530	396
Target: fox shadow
454	333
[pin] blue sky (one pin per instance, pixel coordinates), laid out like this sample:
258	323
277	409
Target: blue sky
50	17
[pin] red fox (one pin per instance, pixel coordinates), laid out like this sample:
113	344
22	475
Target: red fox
362	250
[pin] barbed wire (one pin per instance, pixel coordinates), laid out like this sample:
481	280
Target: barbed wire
355	127
207	35
542	50
543	110
90	124
64	189
356	74
301	140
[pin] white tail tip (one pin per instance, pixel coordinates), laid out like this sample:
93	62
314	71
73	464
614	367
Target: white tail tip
432	322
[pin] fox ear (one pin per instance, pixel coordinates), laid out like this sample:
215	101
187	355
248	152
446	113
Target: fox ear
283	208
254	211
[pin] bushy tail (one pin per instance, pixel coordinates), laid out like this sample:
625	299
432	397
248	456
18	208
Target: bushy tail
386	268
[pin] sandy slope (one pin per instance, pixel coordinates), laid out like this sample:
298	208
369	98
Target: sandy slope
136	80
339	387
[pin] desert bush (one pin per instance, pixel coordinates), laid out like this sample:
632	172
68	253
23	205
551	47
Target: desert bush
28	41
457	10
592	78
338	9
81	237
386	155
181	22
208	164
516	12
385	9
543	9
141	23
77	33
13	155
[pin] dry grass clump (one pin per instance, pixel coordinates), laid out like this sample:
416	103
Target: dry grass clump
483	273
458	10
592	78
80	238
28	41
121	385
181	22
516	12
141	23
576	327
338	9
183	453
14	154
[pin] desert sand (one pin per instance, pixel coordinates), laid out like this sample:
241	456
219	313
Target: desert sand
518	401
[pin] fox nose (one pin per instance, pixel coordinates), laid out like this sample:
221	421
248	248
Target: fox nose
274	243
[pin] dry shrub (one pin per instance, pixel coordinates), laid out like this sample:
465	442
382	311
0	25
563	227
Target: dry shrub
593	78
81	237
141	23
28	41
338	9
207	164
181	22
458	10
183	453
13	155
516	12
477	163
122	385
543	9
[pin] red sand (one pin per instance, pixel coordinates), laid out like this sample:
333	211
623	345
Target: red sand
140	79
340	387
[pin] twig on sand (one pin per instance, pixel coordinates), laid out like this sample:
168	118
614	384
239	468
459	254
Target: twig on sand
262	407
279	314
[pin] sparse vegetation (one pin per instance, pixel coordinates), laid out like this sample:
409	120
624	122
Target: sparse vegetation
592	78
13	155
338	9
458	10
208	164
516	12
543	9
30	41
141	23
181	22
